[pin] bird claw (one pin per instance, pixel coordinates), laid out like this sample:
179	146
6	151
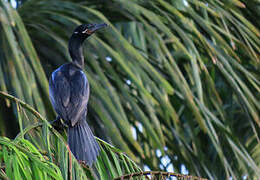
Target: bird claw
58	124
83	164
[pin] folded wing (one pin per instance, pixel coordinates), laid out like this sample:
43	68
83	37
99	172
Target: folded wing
69	94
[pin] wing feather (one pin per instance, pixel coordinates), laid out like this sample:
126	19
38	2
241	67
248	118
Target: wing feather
60	93
69	94
79	97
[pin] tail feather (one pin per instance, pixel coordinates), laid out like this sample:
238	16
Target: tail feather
82	143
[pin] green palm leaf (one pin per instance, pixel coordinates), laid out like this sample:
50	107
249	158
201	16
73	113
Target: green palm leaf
184	76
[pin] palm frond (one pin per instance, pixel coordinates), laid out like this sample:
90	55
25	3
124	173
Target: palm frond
53	152
184	76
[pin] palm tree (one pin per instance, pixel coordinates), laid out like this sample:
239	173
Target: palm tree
174	84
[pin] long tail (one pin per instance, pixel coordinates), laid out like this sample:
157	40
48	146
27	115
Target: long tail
82	143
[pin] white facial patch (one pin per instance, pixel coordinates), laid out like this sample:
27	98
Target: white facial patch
87	31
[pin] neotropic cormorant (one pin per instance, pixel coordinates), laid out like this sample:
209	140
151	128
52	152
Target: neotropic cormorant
69	94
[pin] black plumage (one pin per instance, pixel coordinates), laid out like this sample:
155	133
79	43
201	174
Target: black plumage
69	94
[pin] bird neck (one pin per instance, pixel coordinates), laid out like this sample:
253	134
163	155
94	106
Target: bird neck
76	50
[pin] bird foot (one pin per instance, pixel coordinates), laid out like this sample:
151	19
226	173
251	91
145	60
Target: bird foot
83	164
58	124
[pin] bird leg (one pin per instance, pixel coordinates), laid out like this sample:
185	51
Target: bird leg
58	124
84	164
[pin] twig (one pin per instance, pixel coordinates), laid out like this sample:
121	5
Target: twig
70	162
168	174
3	175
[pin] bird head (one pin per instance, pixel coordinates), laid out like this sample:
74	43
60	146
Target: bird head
86	30
79	35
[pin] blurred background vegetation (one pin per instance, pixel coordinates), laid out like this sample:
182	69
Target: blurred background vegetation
174	83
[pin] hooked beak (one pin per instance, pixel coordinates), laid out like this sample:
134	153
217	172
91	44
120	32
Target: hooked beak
95	28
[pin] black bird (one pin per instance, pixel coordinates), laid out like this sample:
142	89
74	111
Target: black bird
69	94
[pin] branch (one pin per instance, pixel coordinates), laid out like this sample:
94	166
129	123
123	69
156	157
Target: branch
161	173
23	104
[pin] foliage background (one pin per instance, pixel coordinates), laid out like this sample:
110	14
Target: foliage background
173	83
